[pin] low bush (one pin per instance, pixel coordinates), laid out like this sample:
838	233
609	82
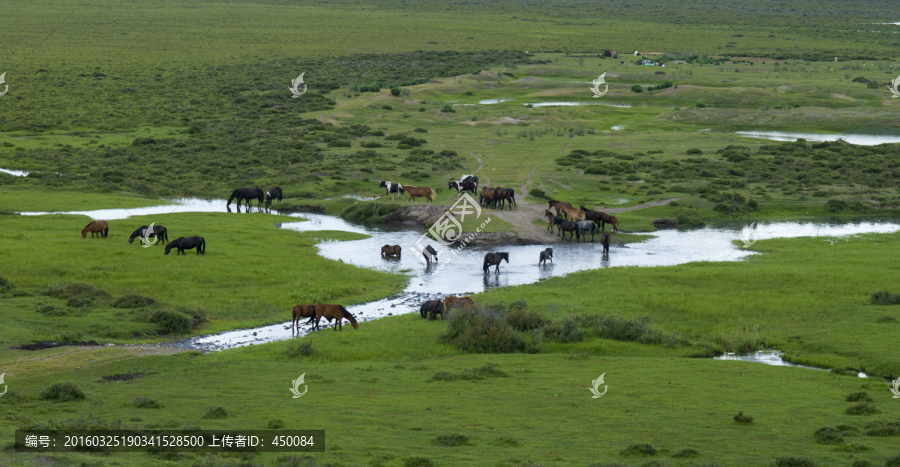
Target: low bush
523	320
216	413
452	440
639	450
172	322
859	396
63	392
145	403
885	298
828	435
688	452
133	301
795	462
864	408
741	418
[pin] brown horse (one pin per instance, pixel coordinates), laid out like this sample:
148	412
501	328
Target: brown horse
604	239
463	303
101	228
388	250
337	312
573	214
302	311
614	222
558	205
417	191
601	218
487	196
550	216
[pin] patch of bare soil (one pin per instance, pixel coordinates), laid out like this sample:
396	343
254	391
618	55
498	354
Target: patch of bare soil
528	79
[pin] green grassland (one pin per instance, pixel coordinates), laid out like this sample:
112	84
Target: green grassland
126	105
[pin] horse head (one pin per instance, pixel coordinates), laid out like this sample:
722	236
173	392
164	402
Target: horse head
505	256
383	184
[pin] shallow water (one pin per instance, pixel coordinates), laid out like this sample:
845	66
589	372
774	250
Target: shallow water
545	104
619	127
862	140
769	357
494	101
459	272
17	173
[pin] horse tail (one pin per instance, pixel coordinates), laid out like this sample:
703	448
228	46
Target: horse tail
203	244
433	195
486	264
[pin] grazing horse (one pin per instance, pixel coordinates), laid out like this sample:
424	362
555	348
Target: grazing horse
101	228
585	226
463	187
302	311
492	259
614	222
187	243
468	178
159	232
604	239
272	194
487	196
244	194
545	255
392	188
388	250
463	303
566	226
505	194
573	214
430	255
602	218
558	205
417	191
337	312
431	308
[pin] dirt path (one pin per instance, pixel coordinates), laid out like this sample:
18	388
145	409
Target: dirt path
487	180
639	206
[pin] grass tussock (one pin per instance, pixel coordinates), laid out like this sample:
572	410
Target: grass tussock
216	413
743	419
145	403
477	374
795	462
299	349
639	450
864	408
859	396
63	392
452	440
884	298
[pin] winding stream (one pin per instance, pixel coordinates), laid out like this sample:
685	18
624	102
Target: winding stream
460	272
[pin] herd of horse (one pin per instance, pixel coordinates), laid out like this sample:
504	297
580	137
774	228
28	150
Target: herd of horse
100	229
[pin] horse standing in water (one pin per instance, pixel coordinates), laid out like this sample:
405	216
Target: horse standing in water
492	259
337	312
302	311
244	194
271	195
546	255
101	228
389	250
159	232
392	188
604	239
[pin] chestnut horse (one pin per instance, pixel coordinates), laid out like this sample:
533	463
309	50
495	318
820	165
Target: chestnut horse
417	191
487	196
463	303
550	216
302	311
602	219
337	312
558	205
101	228
388	250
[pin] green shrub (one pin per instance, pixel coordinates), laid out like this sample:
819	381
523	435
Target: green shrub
688	452
132	301
864	408
637	88
700	105
741	418
885	298
482	331
420	130
417	461
145	403
63	392
859	396
298	349
172	322
447	108
452	440
836	205
275	424
564	332
639	450
522	320
694	151
216	413
828	435
395	91
387	107
339	143
795	462
537	193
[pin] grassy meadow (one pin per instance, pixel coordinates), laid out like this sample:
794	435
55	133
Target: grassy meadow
125	105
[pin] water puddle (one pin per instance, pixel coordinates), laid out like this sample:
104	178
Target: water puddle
182	205
17	173
357	197
862	140
769	357
494	101
546	104
619	127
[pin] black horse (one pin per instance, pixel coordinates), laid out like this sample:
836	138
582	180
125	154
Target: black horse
183	243
272	194
159	232
430	254
245	194
431	309
502	195
545	255
492	259
604	239
392	187
565	226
